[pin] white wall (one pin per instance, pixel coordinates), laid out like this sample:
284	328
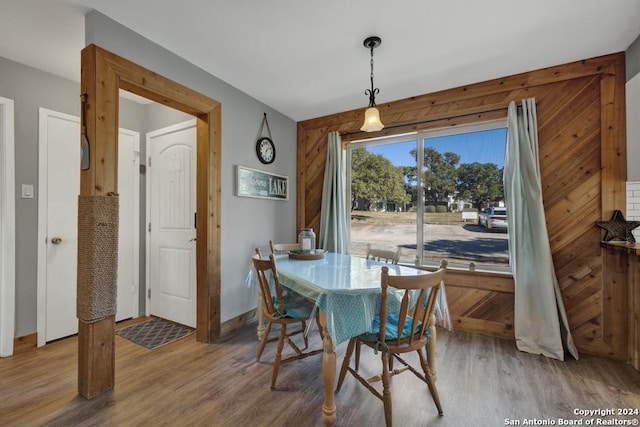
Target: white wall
633	128
632	58
633	152
633	206
246	223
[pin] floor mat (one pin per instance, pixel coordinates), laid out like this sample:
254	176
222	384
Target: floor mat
155	332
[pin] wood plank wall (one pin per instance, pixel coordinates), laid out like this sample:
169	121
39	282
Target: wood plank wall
583	167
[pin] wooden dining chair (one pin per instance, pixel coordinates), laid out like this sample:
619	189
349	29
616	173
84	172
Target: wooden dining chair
384	255
397	333
282	310
282	248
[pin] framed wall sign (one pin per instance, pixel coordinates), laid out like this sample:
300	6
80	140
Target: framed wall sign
261	184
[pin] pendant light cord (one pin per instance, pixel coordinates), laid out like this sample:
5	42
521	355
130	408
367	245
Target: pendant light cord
372	92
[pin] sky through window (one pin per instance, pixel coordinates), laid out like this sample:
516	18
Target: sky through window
482	147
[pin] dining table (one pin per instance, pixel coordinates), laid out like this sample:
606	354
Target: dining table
346	290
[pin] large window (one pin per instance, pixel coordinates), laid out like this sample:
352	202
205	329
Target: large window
434	195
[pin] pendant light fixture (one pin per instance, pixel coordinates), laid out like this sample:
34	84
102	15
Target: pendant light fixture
372	121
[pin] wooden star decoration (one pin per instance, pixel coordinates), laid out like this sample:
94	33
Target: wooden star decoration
618	228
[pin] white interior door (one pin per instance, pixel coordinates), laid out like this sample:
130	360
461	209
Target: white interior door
7	228
58	189
171	206
128	228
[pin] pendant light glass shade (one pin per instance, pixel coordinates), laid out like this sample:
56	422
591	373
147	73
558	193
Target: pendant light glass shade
372	121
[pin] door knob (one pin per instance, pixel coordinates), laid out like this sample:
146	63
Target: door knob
56	240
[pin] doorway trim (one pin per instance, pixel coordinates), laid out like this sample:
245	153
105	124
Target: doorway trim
102	75
7	229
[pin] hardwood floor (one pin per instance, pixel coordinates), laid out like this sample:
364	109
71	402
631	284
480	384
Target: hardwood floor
482	382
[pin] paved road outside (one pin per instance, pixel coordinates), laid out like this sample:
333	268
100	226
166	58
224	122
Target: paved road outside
460	244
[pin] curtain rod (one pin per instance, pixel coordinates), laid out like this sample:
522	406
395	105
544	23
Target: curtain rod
435	120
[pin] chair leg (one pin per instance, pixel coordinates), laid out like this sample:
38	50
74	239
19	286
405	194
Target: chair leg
358	345
260	329
431	349
386	392
431	382
345	363
320	328
263	340
276	362
306	339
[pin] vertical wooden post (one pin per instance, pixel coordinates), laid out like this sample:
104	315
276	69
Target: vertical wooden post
96	357
96	340
634	307
613	196
633	315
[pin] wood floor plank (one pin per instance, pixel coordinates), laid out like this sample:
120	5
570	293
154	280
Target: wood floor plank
482	381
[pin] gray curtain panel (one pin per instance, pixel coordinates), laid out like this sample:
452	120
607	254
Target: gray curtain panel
540	321
334	232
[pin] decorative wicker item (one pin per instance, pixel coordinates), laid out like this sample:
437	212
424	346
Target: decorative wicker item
97	257
618	228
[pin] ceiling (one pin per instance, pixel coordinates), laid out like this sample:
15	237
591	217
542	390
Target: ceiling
306	59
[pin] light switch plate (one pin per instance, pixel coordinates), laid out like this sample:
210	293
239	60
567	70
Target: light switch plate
27	191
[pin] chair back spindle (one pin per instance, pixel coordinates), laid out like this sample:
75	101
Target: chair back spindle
266	269
405	329
418	298
282	248
384	255
276	310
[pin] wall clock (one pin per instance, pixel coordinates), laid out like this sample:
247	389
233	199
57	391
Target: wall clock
266	150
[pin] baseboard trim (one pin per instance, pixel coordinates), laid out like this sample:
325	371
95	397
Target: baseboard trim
237	322
25	343
29	342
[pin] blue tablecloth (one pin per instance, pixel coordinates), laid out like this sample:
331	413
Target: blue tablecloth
346	288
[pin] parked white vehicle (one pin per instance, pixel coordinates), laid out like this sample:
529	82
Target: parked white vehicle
493	218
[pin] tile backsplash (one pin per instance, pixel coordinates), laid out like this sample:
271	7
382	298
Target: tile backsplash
633	205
